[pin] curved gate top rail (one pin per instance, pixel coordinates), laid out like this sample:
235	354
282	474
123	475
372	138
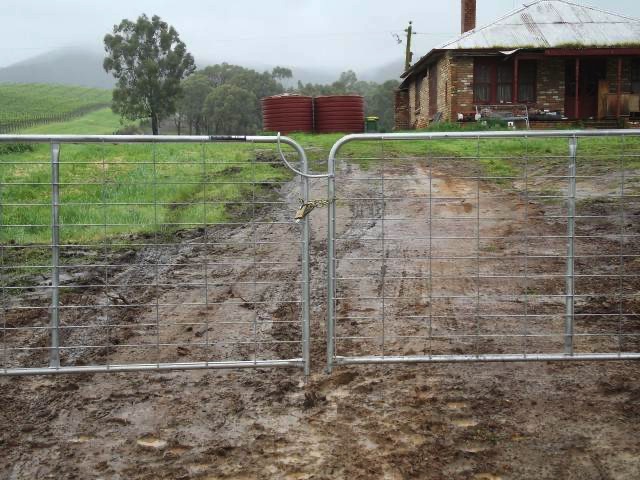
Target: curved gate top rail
487	256
196	288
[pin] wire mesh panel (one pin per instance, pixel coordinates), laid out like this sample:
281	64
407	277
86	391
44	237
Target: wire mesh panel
171	253
488	246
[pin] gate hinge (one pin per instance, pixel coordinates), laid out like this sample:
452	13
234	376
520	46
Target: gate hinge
307	207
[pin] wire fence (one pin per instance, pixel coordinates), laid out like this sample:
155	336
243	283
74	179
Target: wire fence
500	246
140	253
126	253
14	123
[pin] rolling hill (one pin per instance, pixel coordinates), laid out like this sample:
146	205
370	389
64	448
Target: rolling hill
83	67
70	66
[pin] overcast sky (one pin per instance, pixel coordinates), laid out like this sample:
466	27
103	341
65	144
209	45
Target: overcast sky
331	34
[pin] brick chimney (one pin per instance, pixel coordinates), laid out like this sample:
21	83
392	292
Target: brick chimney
468	15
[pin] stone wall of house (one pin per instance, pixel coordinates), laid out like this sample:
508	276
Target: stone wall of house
419	115
419	112
461	86
444	87
550	87
402	110
422	111
455	87
412	103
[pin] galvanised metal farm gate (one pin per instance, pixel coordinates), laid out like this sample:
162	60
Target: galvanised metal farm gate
131	253
520	246
151	257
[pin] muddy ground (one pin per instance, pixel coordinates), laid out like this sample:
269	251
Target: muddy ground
463	421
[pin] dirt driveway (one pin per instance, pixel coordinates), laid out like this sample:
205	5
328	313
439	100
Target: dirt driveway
480	421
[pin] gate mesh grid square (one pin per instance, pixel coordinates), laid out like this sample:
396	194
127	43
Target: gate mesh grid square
517	249
170	256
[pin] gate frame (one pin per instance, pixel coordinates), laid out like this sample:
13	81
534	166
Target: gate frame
568	355
54	357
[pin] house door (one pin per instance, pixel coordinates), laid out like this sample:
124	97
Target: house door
591	72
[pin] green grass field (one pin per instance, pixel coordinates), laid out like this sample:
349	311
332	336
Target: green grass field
28	100
109	190
498	158
102	121
112	190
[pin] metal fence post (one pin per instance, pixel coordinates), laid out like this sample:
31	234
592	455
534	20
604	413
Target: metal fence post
571	230
54	356
331	266
306	274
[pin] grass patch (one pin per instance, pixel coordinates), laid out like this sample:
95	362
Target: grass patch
24	100
100	122
111	190
26	105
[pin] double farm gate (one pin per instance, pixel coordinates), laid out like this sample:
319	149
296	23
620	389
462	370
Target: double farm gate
131	253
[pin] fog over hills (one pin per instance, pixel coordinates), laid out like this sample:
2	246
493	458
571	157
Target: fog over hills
69	66
77	66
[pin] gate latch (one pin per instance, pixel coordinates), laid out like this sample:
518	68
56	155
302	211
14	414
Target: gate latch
307	207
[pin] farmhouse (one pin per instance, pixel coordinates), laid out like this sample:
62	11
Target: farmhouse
560	59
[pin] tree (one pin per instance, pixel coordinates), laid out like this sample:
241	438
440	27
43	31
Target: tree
198	115
227	112
149	60
380	102
281	73
195	91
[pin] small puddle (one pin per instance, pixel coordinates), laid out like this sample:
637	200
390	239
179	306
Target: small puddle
464	422
415	440
474	447
152	443
369	444
81	439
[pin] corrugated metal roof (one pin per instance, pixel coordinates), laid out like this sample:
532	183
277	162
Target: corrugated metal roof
549	24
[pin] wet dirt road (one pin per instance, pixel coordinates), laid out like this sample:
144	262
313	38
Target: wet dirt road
479	421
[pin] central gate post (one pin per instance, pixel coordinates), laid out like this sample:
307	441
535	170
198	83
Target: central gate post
331	265
306	274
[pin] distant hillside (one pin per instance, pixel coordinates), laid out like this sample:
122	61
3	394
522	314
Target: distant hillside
74	66
65	67
390	71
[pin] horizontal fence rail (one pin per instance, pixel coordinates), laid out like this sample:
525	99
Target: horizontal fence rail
138	253
484	246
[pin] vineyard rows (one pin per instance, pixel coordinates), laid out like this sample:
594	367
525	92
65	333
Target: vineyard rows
26	105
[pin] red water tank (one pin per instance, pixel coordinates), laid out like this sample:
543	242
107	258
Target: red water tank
339	113
287	113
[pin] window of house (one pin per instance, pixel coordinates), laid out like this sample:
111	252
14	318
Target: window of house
635	76
527	70
504	83
493	81
482	82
